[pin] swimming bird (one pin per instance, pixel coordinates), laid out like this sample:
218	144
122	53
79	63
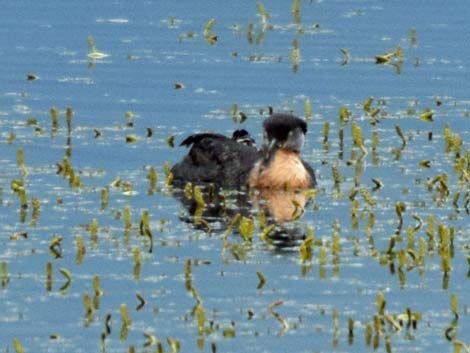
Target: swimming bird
236	162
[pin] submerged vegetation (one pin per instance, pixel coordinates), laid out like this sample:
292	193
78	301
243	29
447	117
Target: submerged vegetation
101	251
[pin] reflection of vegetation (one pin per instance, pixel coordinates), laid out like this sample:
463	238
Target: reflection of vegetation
94	54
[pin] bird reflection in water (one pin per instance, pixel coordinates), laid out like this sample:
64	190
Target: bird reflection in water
283	209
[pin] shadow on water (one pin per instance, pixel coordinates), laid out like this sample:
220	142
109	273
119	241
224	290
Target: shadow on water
278	212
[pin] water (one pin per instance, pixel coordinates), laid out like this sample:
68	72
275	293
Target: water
152	46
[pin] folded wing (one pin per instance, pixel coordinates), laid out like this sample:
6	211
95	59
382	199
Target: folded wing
215	158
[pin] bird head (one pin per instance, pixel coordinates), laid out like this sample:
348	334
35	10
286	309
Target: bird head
284	131
242	136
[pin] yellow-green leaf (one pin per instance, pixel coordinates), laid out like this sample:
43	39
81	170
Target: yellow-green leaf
308	109
367	104
454	304
380	303
124	315
246	228
426	115
344	115
262	279
305	249
201	317
18	346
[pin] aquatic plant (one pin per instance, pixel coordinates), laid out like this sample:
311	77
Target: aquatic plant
18	346
295	55
210	37
264	15
346	56
5	277
94	54
296	11
279	317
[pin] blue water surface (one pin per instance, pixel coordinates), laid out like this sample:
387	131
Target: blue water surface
150	47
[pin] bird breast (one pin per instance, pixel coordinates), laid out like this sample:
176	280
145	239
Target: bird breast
284	171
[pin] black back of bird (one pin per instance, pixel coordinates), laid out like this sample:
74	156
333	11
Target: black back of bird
215	158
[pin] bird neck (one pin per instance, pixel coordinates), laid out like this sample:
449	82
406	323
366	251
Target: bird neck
283	170
279	152
287	153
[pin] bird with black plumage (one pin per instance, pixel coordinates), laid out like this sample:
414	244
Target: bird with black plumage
237	162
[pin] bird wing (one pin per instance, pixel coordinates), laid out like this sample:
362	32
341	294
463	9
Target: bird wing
196	138
215	158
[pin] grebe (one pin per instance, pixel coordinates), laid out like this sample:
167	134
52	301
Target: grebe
236	162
